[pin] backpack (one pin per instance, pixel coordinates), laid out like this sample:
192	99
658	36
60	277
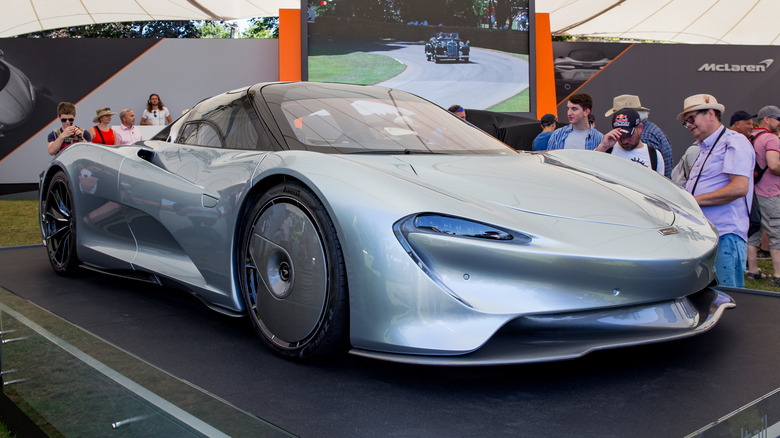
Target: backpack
650	151
754	211
758	171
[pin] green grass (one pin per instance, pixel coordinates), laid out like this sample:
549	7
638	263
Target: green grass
19	223
354	68
4	432
766	267
518	103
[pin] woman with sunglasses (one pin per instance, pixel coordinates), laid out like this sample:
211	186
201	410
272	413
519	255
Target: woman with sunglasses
69	133
155	113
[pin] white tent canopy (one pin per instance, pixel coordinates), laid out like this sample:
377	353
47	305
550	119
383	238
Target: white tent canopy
749	22
25	16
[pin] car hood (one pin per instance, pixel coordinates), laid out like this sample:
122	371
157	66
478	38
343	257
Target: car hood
543	184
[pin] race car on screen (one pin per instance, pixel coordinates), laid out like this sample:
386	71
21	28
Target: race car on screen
447	46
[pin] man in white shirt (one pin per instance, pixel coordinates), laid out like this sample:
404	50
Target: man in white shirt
626	132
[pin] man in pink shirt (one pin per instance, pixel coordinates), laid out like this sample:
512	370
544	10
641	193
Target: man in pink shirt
127	133
767	146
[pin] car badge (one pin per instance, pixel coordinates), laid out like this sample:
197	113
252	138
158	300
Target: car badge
668	230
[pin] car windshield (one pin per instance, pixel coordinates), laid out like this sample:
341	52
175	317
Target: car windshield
352	119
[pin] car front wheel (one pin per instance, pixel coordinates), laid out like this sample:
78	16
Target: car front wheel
59	225
293	278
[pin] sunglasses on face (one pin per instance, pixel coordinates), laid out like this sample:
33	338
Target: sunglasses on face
690	119
63	120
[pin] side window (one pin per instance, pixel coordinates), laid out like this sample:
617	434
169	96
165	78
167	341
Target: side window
235	123
202	134
225	122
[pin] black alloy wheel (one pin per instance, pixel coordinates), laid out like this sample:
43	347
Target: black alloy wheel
59	225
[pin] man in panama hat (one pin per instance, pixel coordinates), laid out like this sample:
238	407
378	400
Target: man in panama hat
721	181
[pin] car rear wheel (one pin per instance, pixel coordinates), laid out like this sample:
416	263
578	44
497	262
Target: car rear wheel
293	278
59	225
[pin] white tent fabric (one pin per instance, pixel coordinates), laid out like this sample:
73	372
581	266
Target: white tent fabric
24	16
749	22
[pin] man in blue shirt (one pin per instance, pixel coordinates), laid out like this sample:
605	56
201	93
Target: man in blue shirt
578	134
549	123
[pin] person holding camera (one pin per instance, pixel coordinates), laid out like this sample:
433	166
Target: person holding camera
155	113
69	133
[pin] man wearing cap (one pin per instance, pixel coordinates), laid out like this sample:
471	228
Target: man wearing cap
549	123
578	134
742	122
767	147
651	133
721	181
626	132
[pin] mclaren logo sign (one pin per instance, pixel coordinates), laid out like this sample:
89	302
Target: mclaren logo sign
753	68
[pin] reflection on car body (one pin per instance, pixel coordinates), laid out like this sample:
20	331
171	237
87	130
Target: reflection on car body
365	219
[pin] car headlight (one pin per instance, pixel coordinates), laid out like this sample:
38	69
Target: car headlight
458	227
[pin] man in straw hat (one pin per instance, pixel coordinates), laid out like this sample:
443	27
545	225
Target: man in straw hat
651	133
721	181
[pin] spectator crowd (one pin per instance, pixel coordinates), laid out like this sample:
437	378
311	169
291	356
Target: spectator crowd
102	132
730	171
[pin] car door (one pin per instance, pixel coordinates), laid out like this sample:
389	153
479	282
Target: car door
188	191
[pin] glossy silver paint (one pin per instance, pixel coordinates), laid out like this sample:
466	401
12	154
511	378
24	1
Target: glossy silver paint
583	250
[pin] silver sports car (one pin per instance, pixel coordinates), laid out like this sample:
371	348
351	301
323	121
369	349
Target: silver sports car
365	219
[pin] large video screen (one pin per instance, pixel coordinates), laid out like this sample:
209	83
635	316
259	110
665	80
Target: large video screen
474	53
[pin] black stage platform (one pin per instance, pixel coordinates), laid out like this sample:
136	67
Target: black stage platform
664	390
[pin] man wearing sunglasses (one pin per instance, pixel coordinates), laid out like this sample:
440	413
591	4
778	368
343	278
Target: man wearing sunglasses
721	181
69	133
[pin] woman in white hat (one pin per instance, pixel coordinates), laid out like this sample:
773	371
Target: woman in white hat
102	133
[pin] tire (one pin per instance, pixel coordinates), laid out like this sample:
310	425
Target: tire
58	224
293	278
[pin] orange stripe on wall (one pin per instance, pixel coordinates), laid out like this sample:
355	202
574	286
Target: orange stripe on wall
289	44
545	73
